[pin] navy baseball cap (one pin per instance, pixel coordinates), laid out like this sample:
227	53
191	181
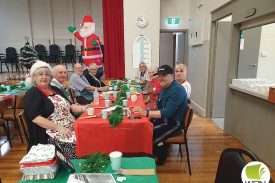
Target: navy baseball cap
164	70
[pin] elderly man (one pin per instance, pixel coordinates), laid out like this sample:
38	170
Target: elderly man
81	87
60	75
169	114
142	77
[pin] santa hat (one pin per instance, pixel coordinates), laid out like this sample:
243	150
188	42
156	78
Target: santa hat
87	20
37	65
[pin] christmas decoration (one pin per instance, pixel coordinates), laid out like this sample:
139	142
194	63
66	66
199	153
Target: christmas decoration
91	52
28	55
117	115
95	163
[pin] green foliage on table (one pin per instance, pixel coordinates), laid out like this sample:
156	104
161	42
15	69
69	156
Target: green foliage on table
13	86
95	163
117	115
2	89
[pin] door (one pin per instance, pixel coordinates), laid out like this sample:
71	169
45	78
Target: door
221	68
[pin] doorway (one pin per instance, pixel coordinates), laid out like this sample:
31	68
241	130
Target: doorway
172	47
220	69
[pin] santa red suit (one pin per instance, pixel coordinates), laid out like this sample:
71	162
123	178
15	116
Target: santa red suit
91	52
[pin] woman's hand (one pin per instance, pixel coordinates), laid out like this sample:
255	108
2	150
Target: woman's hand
140	110
142	82
65	132
104	88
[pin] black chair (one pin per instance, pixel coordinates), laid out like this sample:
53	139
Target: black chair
41	52
182	138
3	60
102	50
231	165
11	57
79	55
3	122
54	56
69	56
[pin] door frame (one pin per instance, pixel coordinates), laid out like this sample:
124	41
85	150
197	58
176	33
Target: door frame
215	17
185	51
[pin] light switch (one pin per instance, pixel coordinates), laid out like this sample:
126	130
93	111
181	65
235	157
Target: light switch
264	54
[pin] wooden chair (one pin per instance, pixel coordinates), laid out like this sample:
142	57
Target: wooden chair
182	139
10	114
3	122
71	93
24	127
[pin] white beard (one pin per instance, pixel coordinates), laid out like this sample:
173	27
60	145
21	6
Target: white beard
84	33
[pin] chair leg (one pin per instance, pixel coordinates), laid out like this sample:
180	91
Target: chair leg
7	67
180	150
8	134
16	125
187	154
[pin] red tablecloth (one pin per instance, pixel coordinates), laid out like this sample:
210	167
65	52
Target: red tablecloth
9	99
96	134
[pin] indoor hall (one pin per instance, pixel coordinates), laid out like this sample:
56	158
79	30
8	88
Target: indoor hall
226	46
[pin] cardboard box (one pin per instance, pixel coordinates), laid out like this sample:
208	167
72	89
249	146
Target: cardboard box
271	96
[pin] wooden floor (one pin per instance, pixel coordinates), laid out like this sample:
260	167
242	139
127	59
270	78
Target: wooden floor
206	142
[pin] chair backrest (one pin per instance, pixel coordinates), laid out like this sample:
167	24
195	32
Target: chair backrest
40	49
231	164
19	100
11	53
2	105
188	118
24	125
71	93
70	50
54	50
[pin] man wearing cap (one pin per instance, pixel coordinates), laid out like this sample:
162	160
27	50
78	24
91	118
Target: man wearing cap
169	114
91	52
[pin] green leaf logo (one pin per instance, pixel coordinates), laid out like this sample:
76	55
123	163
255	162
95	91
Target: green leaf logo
255	171
252	172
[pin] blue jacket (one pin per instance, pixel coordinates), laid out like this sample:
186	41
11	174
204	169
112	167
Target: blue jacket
174	102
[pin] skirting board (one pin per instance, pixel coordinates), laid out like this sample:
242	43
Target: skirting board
198	108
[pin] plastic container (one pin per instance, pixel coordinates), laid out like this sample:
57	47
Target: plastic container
96	97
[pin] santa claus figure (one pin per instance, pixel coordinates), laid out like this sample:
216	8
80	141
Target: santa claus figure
91	52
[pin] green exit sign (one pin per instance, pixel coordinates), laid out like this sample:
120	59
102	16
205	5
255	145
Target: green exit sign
173	20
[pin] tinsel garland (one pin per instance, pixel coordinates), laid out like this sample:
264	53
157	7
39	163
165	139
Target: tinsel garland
95	163
117	115
28	56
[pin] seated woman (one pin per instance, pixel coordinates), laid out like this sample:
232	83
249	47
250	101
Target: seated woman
142	77
181	77
47	111
153	90
91	76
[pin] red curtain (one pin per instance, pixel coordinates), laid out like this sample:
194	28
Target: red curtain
113	30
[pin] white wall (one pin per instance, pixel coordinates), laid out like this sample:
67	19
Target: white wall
199	55
132	9
174	9
266	64
47	20
14	23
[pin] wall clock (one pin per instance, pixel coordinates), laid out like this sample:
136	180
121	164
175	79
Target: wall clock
142	21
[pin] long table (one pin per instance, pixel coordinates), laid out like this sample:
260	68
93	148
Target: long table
126	163
96	134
